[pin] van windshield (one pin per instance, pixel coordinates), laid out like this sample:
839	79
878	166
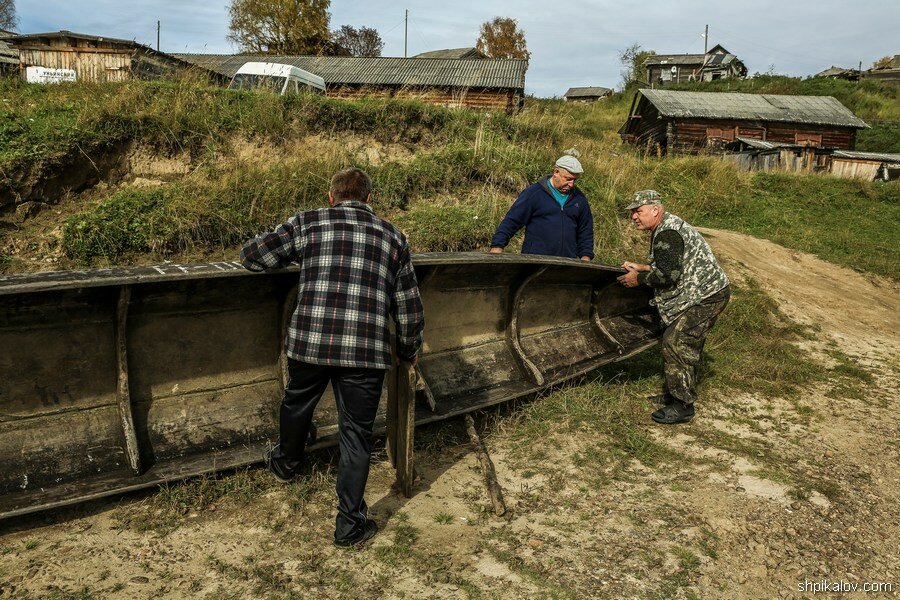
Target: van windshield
246	81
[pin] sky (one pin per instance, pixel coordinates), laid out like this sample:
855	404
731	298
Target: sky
574	43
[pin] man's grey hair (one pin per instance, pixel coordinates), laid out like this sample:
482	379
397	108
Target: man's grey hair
350	184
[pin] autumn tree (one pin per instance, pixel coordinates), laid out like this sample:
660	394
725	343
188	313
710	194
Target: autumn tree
281	26
632	58
364	41
883	62
8	19
502	38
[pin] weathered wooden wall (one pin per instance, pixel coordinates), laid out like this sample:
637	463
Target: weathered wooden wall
855	168
479	98
690	135
91	64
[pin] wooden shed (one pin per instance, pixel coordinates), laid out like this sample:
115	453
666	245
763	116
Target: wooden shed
492	84
677	122
95	58
587	94
865	165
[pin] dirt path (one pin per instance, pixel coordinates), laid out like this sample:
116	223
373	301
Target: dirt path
860	311
756	499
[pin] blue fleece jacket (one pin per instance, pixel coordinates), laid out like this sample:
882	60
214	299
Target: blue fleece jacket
550	229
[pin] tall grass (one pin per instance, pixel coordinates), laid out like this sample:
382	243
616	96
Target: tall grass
456	177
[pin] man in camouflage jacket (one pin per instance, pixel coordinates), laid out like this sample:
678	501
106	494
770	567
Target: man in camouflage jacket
690	290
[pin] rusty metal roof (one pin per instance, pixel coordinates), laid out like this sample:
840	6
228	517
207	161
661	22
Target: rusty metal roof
581	92
350	70
819	110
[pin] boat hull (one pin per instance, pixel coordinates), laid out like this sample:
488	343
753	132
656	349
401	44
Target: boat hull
120	379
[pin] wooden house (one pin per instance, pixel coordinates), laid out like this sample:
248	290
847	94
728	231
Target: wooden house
889	73
587	94
717	63
95	58
676	122
492	84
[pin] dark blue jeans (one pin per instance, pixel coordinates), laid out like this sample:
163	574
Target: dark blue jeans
357	392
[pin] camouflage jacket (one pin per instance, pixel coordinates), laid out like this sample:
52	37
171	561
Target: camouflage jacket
701	276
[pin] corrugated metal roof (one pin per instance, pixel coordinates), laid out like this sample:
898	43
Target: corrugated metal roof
711	60
80	36
820	110
674	59
888	158
453	53
580	92
764	145
349	70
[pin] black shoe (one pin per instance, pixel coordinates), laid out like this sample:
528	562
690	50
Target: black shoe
273	467
370	529
677	412
664	399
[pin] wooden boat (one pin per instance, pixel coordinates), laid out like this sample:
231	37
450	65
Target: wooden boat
119	379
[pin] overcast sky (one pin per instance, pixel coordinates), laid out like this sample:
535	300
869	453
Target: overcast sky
573	43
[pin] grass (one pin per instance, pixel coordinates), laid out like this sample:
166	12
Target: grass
456	176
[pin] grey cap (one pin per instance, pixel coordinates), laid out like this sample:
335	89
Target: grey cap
644	198
570	164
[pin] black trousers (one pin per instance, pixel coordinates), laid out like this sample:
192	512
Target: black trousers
357	392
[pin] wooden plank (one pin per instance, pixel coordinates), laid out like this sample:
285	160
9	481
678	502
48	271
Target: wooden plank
123	395
390	415
405	426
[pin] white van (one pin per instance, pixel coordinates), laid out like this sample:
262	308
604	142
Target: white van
276	77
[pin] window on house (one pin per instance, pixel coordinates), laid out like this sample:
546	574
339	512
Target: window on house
720	133
808	139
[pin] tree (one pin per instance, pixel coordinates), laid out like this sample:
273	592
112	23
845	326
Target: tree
502	38
8	19
883	62
632	58
281	26
364	41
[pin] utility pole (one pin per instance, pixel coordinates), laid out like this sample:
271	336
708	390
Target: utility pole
157	36
706	40
405	31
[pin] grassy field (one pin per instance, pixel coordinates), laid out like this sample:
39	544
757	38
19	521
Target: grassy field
447	181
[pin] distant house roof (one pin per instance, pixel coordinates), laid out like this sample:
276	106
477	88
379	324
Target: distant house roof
821	110
453	53
717	56
41	37
833	71
349	70
44	38
587	92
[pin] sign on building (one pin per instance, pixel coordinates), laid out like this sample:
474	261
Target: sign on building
46	75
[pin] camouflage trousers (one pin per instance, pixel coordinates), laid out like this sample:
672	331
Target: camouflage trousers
682	344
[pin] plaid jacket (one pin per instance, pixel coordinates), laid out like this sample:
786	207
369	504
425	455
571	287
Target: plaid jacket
355	271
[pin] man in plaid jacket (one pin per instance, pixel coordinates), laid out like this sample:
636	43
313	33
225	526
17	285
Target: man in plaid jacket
355	272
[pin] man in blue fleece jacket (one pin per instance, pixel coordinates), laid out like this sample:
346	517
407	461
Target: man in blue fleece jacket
555	214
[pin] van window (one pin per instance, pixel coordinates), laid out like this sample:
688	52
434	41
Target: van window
246	81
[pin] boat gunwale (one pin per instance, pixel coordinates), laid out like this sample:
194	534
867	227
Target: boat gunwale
48	281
